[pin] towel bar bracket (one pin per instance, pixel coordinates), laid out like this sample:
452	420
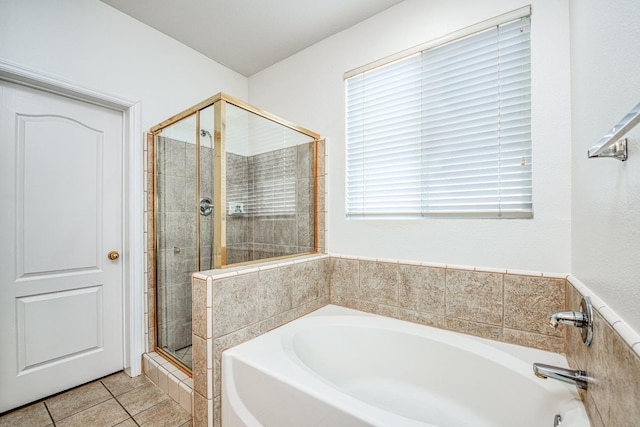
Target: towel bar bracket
617	150
611	145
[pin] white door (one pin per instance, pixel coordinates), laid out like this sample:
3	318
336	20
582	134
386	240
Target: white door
61	321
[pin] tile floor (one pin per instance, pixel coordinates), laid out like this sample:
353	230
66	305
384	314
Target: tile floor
116	400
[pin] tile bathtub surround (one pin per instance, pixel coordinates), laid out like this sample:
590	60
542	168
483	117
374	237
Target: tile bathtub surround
493	304
612	361
234	305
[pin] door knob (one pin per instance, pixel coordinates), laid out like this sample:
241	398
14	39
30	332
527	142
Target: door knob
113	255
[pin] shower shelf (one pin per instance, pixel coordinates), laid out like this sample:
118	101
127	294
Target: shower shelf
611	145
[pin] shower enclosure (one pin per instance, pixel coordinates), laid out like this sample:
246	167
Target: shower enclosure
233	184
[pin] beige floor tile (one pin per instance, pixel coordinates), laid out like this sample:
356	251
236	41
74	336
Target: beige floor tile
141	398
120	382
105	414
31	416
76	400
164	414
127	423
93	405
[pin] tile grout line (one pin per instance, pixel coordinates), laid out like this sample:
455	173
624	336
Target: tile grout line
118	401
69	390
49	412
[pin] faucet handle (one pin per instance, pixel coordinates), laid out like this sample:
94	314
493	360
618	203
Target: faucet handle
582	319
571	318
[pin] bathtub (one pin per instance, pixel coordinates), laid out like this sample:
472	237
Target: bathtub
338	367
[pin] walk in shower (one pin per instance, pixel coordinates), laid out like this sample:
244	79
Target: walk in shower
232	184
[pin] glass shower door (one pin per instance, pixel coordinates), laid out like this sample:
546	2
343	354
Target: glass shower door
176	240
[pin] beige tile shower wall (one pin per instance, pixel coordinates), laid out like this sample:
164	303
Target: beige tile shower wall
234	305
613	396
513	307
259	236
176	238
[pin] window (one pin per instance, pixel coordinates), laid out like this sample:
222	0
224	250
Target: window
445	131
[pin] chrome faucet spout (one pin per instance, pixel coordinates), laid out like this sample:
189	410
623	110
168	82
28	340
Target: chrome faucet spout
574	377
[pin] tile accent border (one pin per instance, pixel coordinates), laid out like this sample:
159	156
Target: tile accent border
612	361
512	306
631	337
171	380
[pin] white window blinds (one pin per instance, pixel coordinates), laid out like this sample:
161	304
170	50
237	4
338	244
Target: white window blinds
273	179
446	131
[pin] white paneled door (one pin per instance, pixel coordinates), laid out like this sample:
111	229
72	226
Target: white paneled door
61	277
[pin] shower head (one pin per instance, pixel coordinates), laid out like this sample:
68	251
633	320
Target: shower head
204	132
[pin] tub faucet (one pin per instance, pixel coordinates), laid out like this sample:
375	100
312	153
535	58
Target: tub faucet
575	377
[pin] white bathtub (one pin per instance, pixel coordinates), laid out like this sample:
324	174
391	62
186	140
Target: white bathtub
341	368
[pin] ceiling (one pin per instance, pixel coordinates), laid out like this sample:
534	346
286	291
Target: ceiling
250	35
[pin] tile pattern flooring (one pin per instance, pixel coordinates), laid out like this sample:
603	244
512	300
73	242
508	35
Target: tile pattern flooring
116	400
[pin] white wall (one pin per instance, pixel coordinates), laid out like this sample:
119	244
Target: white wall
308	90
605	64
97	46
92	44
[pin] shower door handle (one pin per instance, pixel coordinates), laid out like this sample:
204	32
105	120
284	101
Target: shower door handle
113	255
